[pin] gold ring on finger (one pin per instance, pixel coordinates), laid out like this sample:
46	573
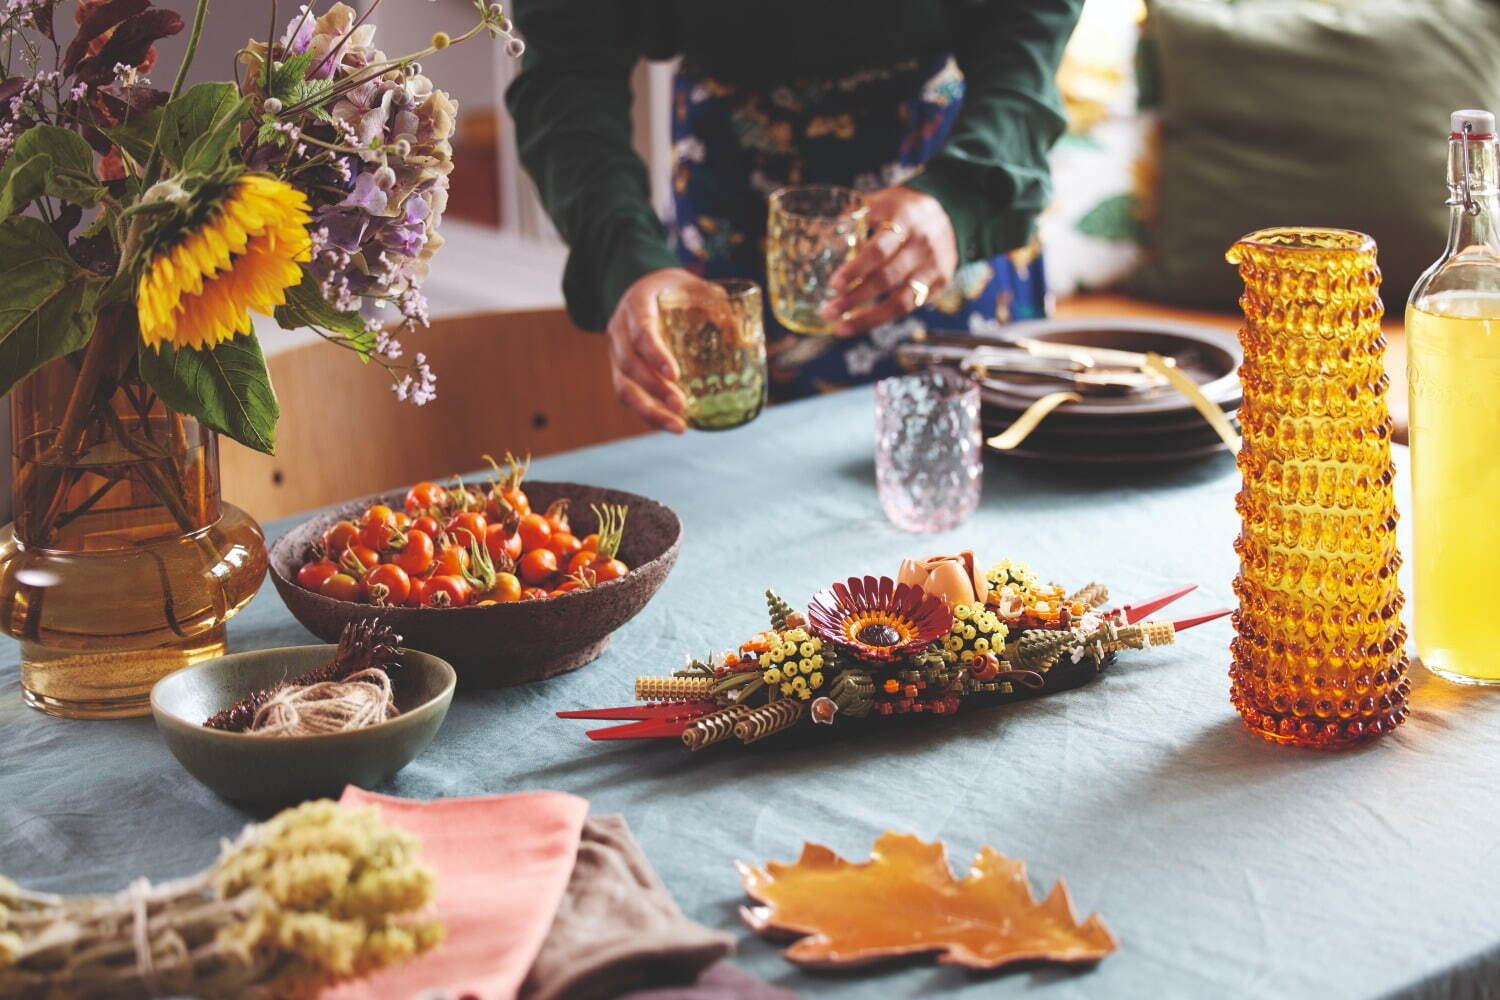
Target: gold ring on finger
919	289
892	227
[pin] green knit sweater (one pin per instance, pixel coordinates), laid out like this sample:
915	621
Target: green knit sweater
571	105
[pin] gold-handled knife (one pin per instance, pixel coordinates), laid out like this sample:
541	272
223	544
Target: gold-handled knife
1215	416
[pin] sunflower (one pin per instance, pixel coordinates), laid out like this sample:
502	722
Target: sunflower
878	619
243	253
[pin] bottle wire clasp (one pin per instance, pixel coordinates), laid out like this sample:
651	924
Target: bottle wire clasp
1471	207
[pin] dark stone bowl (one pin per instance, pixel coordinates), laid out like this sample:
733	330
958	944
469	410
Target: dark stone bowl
272	771
516	642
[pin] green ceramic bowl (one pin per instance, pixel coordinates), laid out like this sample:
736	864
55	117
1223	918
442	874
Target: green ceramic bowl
281	770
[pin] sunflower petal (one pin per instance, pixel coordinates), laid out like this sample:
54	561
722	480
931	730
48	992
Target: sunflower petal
200	293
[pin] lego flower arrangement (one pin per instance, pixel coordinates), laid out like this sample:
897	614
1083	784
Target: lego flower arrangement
140	229
942	635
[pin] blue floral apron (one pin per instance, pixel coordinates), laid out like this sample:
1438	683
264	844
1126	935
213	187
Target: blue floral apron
733	146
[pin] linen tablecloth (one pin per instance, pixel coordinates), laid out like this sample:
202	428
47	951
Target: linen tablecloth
1224	865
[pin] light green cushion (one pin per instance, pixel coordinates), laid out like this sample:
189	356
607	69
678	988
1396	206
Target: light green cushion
1298	112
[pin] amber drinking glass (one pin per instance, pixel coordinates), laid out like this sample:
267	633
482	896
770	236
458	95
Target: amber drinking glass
1319	654
716	331
812	230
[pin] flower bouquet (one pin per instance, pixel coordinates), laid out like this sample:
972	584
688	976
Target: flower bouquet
139	228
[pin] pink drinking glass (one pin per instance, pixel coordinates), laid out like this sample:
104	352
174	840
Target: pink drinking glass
928	468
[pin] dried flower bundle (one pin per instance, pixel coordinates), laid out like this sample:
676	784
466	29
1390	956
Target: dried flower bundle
315	896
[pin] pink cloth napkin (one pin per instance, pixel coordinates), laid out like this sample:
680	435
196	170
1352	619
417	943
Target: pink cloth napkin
502	864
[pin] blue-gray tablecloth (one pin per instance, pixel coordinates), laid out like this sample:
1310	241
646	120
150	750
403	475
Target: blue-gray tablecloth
1224	865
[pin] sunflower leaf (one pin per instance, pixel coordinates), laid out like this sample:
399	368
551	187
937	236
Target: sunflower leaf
198	129
137	136
49	160
49	304
228	388
305	306
22	182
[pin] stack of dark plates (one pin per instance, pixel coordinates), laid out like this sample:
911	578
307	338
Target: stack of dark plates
1148	426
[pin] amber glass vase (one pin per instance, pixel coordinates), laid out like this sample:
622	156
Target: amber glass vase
122	563
1319	654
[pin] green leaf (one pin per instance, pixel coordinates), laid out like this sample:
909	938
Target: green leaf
313	90
288	74
49	303
1078	140
137	137
1114	218
228	388
22	182
66	169
67	149
305	306
198	129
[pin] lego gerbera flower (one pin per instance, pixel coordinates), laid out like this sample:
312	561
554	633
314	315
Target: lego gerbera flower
878	619
231	247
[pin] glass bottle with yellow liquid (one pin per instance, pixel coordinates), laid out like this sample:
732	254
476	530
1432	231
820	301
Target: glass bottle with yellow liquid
1453	345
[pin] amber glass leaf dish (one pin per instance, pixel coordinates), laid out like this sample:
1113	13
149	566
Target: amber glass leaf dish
905	901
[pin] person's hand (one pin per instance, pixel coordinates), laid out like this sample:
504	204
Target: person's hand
909	257
644	372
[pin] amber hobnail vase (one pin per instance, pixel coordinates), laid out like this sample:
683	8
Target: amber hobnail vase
1319	653
122	564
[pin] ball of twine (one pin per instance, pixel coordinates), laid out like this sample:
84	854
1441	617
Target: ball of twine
362	699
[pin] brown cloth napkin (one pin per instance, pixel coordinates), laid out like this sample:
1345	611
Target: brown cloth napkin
617	928
720	982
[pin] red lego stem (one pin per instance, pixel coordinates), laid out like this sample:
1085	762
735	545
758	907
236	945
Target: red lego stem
1133	613
653	710
1187	623
648	730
